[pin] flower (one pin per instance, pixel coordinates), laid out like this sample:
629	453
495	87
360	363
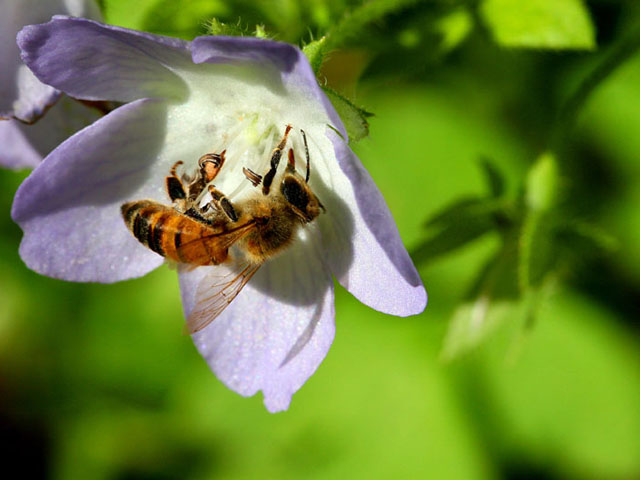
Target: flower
185	99
23	99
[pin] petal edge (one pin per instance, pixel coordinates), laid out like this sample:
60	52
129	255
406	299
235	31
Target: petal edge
365	240
92	61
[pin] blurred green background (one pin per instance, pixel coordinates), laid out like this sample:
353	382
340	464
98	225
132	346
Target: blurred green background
97	381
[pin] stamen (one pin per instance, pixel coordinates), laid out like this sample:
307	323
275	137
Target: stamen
306	152
249	145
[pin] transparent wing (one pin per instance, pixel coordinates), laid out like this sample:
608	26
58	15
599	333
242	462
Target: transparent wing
217	290
214	244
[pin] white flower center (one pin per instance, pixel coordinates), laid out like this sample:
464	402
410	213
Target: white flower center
245	110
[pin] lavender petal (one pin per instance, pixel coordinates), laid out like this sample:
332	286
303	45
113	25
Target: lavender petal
367	255
26	145
278	330
16	152
22	95
69	207
92	61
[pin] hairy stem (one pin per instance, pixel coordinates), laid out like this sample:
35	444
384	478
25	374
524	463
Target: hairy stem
618	54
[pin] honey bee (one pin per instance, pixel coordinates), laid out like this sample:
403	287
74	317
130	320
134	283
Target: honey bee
258	227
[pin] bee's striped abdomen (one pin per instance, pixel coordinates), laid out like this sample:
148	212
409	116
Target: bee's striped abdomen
147	221
171	234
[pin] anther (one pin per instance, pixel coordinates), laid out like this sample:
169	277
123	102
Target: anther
252	176
210	164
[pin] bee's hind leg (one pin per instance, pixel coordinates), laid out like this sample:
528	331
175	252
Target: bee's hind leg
222	203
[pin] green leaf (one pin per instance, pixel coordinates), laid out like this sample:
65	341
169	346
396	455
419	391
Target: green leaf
582	240
495	179
474	322
353	117
454	27
552	24
492	301
465	210
457	225
315	52
447	240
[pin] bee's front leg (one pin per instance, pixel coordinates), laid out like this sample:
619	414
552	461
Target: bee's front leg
175	188
275	161
222	203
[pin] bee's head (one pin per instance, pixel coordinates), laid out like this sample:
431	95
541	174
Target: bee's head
300	198
296	191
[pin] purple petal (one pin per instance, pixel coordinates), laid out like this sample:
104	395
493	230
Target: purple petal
33	98
16	151
21	95
278	330
69	207
284	58
366	254
88	60
24	146
221	49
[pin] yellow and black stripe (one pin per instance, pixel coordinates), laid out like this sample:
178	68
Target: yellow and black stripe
181	237
170	233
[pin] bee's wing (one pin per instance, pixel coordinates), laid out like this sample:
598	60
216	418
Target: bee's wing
214	245
216	291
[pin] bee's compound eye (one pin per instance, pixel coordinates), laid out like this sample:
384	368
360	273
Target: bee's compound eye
294	193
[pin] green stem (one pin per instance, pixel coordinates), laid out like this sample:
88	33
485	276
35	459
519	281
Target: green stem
525	247
616	56
354	21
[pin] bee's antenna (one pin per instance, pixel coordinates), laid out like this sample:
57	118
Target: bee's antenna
306	151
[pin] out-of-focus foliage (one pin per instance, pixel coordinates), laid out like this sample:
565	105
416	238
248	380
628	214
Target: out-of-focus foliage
514	177
555	24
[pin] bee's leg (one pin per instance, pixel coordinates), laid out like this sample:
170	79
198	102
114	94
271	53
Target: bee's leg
275	160
252	176
175	188
209	166
221	202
